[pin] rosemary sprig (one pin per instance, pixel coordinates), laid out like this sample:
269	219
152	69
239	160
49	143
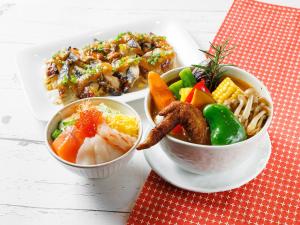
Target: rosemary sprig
210	71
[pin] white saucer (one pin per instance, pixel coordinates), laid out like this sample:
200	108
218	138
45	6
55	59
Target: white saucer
223	181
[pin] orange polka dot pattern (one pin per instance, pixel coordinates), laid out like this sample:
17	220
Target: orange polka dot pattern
267	45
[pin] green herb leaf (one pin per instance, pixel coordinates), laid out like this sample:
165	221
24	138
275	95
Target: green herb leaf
211	71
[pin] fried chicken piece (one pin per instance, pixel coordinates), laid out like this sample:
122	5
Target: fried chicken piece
181	113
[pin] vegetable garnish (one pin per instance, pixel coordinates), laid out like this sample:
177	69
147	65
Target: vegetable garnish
176	87
184	92
225	128
226	90
187	77
210	71
159	90
153	59
251	110
199	86
201	98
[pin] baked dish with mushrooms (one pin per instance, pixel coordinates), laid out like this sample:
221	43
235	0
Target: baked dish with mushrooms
107	68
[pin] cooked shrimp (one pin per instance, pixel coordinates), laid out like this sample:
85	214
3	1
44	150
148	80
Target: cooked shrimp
120	141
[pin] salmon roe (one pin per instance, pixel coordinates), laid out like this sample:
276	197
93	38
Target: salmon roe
88	122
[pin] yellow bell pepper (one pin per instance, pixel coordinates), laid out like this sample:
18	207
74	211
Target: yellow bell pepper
184	92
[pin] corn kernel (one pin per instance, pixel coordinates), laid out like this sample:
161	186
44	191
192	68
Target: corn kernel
227	89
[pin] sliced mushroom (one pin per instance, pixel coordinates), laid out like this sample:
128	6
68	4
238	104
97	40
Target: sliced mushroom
250	109
260	122
242	101
250	91
247	109
253	124
257	109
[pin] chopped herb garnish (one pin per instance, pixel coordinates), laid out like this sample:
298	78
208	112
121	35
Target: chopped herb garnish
134	60
100	47
120	35
153	59
65	79
93	70
122	60
73	79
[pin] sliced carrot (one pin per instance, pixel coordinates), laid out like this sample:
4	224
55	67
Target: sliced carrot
159	90
67	144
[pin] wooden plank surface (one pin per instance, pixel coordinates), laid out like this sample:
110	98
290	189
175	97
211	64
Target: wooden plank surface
34	189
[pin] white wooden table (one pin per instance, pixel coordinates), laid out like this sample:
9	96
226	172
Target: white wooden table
34	189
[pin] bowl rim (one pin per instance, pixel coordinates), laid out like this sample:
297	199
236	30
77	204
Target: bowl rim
223	147
50	150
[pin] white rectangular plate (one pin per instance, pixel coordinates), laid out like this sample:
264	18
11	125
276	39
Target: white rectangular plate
30	61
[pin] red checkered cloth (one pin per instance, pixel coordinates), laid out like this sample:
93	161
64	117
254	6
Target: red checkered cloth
268	46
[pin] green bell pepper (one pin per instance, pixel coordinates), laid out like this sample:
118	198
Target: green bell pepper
224	126
187	77
175	88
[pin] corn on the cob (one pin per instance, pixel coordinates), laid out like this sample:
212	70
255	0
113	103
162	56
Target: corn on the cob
227	89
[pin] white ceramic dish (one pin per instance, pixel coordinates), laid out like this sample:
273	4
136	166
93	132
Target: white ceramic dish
206	159
30	61
216	182
102	170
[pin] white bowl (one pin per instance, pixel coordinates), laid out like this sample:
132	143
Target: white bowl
102	170
205	159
